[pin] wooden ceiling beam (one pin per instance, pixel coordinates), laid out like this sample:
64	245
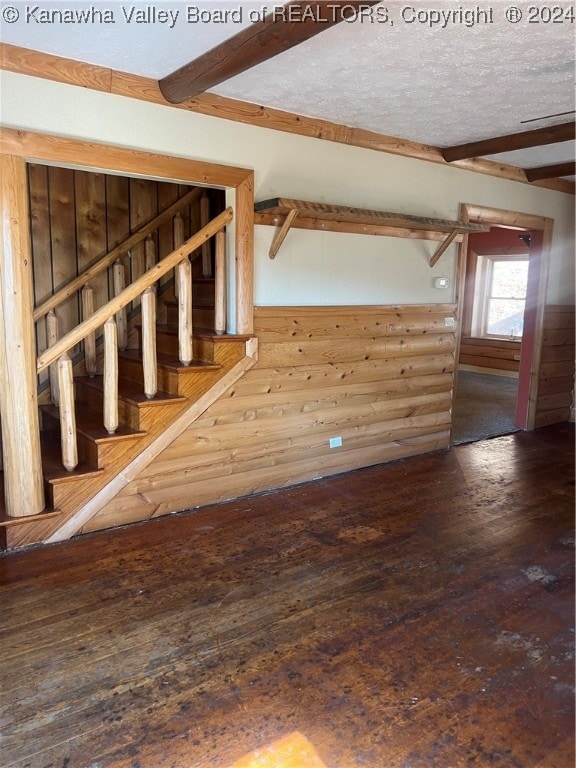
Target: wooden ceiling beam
280	30
537	138
550	171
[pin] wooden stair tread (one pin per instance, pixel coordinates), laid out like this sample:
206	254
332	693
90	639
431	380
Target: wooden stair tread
206	333
89	423
170	362
131	391
52	467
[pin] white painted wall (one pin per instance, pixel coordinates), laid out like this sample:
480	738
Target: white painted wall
312	267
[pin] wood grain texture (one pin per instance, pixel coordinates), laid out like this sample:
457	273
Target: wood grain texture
490	353
24	493
379	377
538	137
556	370
418	613
47	66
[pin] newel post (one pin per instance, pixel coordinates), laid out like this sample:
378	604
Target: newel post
18	399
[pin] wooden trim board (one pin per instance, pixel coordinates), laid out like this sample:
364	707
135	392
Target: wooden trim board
46	66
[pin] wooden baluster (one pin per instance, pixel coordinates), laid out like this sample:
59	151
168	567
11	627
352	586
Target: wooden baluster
52	338
110	376
149	253
149	342
220	284
119	279
185	335
204	219
178	240
90	339
67	413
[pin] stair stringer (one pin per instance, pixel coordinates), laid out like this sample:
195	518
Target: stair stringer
62	529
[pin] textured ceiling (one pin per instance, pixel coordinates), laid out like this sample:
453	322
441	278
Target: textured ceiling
405	78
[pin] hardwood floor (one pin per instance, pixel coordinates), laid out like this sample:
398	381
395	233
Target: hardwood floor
410	615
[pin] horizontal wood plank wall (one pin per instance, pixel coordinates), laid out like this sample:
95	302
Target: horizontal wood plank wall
378	377
490	353
77	216
556	373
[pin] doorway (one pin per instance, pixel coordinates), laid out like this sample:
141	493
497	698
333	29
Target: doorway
501	288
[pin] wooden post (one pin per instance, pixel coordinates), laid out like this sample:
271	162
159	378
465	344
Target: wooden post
119	278
185	334
149	342
110	376
244	245
52	336
178	225
67	413
220	284
90	339
23	482
204	219
149	252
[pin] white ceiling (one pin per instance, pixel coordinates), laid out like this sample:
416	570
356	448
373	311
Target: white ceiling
438	86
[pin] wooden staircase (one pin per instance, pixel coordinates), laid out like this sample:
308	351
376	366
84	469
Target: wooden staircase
102	456
106	462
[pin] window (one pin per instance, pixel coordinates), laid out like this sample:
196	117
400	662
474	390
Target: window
500	296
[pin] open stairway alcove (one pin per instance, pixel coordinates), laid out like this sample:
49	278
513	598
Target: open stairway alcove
128	276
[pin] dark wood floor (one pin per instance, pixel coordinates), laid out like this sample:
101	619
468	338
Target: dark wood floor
411	615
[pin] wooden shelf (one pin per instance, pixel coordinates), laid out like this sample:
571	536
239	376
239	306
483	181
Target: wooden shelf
302	214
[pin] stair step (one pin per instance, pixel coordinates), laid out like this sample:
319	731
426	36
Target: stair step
94	442
172	375
53	470
134	408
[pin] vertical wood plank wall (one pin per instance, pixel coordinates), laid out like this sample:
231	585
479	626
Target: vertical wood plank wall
378	377
556	372
77	216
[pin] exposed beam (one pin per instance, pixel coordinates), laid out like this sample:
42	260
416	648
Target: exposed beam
550	171
536	138
280	30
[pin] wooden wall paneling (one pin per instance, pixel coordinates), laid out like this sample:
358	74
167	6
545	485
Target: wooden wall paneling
91	232
556	371
41	249
63	229
387	394
143	207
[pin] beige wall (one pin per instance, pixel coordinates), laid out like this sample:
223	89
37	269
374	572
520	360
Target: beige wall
312	268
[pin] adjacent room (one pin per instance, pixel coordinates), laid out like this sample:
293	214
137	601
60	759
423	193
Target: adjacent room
287	386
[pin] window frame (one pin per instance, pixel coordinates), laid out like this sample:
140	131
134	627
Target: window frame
482	293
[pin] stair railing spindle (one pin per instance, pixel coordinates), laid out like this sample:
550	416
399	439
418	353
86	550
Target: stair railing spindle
178	226
110	376
148	307
185	331
119	279
206	252
68	439
90	339
52	335
220	284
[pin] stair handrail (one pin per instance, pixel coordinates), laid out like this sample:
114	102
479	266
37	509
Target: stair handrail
109	258
77	334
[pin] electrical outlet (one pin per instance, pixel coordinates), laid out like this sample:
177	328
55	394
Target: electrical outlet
335	442
449	322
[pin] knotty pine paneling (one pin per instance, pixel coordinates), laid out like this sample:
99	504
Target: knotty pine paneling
490	353
379	377
556	372
77	216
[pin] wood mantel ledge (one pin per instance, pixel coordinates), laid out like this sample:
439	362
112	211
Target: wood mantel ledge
302	214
